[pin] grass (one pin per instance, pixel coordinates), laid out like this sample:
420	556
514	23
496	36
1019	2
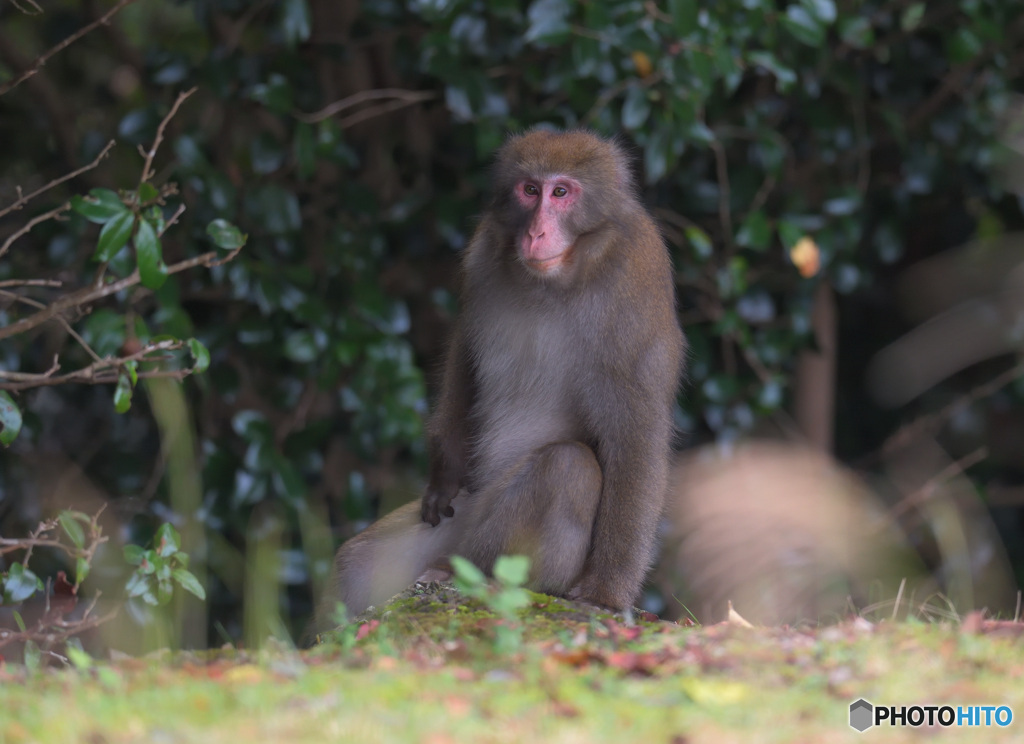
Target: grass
428	671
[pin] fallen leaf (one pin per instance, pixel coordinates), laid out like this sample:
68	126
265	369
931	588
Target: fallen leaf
366	628
736	618
245	673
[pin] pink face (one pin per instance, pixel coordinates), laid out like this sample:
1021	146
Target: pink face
546	242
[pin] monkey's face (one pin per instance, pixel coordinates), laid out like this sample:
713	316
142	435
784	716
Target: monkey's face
548	206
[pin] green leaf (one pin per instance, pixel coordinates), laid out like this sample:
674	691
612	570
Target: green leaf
755	232
684	16
33	657
167	540
113	236
804	27
790	233
100	206
133	554
10	419
187	581
912	16
81	570
784	76
857	32
78	657
300	346
225	235
296	21
137	585
21	584
132	368
549	23
200	355
823	10
147	192
148	253
700	241
164	592
275	94
123	394
512	570
636	108
466	572
72	528
305	150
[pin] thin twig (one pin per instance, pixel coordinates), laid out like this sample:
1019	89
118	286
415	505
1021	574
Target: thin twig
147	168
408	97
23	200
615	91
43	58
36	9
724	193
374	111
174	218
32	223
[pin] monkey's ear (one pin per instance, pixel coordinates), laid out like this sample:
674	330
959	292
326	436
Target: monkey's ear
624	155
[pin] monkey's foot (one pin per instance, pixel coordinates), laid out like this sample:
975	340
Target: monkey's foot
434	574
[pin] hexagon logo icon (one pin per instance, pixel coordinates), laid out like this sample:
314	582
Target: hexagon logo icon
861	715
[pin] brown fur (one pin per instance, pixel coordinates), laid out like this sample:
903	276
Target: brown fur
555	410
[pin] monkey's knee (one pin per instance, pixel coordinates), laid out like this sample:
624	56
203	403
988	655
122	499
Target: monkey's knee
570	483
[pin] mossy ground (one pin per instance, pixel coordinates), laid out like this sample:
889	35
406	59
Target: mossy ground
427	669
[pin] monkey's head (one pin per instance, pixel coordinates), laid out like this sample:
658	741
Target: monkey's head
554	187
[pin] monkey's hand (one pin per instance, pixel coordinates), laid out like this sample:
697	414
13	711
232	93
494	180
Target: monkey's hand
437	502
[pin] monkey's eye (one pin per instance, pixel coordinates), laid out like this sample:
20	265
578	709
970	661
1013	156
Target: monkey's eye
559	191
530	190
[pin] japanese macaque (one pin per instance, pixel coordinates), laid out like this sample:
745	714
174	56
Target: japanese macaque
551	434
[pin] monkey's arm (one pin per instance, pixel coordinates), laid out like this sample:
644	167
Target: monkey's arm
447	433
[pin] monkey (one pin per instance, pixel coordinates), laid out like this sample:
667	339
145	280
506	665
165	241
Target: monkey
551	435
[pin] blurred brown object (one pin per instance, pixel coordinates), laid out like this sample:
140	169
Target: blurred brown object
785	533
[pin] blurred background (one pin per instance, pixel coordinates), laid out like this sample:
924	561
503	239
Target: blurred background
840	184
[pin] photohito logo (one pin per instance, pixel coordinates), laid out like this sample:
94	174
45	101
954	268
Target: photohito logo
864	715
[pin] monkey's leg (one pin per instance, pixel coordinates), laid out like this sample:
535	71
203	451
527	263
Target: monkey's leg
385	558
545	509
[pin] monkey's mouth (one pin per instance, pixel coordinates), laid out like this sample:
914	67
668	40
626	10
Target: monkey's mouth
546	265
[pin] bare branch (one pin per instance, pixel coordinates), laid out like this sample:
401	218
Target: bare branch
31	283
32	223
407	97
92	293
23	200
909	433
99	372
925	492
67	326
147	168
43	58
